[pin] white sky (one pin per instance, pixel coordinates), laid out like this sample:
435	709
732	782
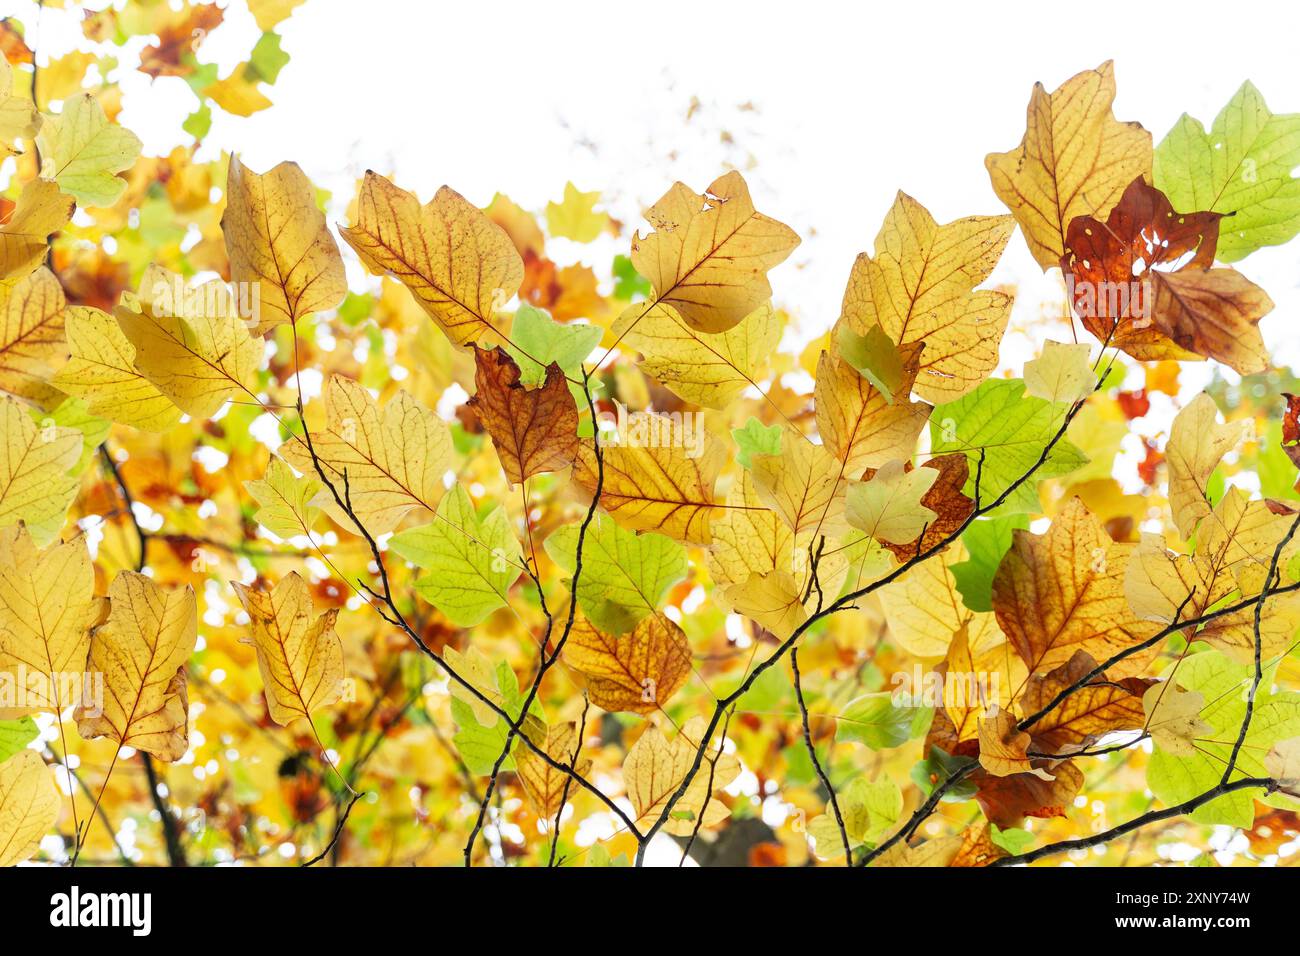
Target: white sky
852	103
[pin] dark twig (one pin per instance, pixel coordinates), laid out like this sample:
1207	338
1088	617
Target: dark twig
817	764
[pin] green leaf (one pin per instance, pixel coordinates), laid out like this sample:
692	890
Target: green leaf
1014	840
15	735
986	541
1013	428
267	58
874	720
81	151
198	123
1224	683
624	575
472	563
876	357
481	744
937	768
870	808
628	283
1242	167
755	438
74	413
537	340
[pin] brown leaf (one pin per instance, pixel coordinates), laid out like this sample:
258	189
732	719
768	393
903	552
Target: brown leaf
1006	801
1291	428
1119	293
1096	709
944	498
534	429
636	672
544	784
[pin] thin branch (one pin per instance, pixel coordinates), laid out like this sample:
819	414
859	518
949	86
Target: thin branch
817	765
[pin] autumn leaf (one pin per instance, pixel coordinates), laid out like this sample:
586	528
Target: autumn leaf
803	485
301	659
624	575
709	255
286	500
460	266
655	767
192	344
1124	299
665	486
1099	707
278	241
546	786
1173	718
637	672
1003	748
575	217
1061	374
860	425
871	808
102	371
1063	592
888	507
393	457
47	611
32	336
925	612
141	650
534	430
82	151
41	210
36	486
1241	167
481	731
1075	160
19	118
1197	443
920	288
709	369
29	806
472	561
1006	801
538	341
945	498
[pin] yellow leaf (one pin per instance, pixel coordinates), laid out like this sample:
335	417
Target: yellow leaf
1282	763
709	370
637	672
775	600
546	786
32	339
41	210
238	93
1061	374
1075	160
278	242
102	371
888	507
19	118
661	487
861	426
1003	748
301	659
655	767
575	217
286	509
269	13
191	343
709	255
47	610
1197	443
919	288
141	650
803	485
1174	718
1063	591
460	265
29	806
35	486
394	458
925	610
